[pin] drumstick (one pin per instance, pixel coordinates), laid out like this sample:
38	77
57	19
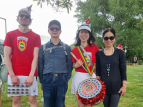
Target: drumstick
77	59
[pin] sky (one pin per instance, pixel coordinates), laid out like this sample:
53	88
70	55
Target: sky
41	17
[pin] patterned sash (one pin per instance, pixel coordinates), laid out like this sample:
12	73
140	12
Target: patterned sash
85	62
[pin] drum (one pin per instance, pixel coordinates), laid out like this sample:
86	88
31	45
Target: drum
89	88
91	91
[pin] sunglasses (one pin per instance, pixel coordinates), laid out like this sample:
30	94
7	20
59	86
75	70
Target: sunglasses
26	16
111	38
54	28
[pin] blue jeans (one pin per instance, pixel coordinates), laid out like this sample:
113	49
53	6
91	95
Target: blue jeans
54	90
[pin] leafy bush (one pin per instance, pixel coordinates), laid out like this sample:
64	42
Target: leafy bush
140	62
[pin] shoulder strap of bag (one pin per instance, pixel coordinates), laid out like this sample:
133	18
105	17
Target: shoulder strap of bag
44	48
63	46
2	63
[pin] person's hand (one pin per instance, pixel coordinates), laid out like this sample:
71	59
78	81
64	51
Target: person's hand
78	63
122	91
29	80
15	80
98	77
41	86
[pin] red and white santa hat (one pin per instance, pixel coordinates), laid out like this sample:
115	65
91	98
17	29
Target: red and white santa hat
86	25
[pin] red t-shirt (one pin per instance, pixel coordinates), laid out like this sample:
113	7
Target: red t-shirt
91	51
22	45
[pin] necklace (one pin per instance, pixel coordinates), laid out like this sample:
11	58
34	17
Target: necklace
108	69
108	65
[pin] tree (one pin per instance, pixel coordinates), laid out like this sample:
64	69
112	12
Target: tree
122	15
57	4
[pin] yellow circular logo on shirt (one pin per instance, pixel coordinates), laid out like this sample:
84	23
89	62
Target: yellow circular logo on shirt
21	45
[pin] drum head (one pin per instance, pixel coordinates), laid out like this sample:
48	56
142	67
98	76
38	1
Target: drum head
89	88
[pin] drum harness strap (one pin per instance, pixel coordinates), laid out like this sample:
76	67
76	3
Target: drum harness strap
87	57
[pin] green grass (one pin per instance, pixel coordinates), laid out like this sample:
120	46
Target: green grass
132	98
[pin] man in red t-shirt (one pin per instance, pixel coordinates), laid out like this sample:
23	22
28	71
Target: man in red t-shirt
21	48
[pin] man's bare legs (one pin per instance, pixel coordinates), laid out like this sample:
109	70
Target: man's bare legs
33	101
16	101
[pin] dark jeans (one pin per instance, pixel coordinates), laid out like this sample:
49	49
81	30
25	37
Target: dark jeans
111	100
54	90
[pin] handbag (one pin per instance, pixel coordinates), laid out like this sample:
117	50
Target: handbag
3	71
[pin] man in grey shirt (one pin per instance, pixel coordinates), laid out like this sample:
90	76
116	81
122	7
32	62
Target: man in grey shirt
54	67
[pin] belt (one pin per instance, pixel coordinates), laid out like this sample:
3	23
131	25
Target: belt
55	75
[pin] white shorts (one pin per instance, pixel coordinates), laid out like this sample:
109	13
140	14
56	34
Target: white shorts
77	79
22	89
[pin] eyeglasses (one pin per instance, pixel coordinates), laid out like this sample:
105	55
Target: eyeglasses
56	28
111	38
26	16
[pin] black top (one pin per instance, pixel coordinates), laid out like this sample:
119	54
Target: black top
117	72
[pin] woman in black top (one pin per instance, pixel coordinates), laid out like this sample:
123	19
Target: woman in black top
111	68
